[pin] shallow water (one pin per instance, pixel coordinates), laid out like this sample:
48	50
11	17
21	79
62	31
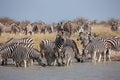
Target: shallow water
78	71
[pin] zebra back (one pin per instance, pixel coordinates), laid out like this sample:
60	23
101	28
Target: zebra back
26	42
114	43
45	43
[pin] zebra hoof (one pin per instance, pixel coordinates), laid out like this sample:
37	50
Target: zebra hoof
2	63
43	65
78	60
59	64
81	61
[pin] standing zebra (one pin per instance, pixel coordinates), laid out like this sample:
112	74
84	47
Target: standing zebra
95	49
87	38
84	39
115	43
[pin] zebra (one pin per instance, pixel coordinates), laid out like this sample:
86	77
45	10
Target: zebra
26	42
44	43
67	55
50	56
61	42
87	38
114	26
6	52
110	43
114	44
24	55
15	28
48	52
95	49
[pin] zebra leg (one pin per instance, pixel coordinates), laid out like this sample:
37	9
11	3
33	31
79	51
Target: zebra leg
55	62
25	63
104	57
70	61
67	62
5	61
14	62
83	59
48	62
2	62
20	63
17	63
99	57
108	54
31	62
94	57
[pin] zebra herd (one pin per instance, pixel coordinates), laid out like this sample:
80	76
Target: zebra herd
60	52
98	47
20	50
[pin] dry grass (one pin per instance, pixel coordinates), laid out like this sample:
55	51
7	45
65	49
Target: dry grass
36	37
102	30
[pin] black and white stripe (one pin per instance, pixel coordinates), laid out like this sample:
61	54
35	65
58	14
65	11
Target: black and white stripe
7	48
62	42
48	52
26	42
24	55
6	53
114	43
67	55
96	49
88	38
45	43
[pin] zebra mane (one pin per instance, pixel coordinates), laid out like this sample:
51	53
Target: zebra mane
11	39
36	50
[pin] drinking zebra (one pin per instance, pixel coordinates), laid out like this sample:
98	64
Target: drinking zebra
48	51
67	55
61	42
5	48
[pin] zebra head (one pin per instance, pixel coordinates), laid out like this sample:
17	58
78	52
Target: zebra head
85	39
84	54
40	62
59	41
80	36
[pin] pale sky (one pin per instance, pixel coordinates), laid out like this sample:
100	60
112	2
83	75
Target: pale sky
50	11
